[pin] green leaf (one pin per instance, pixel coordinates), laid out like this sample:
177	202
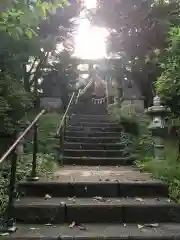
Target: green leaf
29	33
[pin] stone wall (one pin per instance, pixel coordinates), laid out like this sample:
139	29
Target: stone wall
51	104
137	104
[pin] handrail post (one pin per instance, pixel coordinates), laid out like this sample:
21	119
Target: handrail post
33	175
10	223
61	143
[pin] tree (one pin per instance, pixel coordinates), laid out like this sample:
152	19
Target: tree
168	84
29	34
138	31
63	74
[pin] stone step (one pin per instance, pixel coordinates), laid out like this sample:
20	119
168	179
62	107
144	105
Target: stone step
91	134
93	116
95	124
108	231
92	139
83	181
91	119
90	189
94	153
94	129
99	161
96	210
97	146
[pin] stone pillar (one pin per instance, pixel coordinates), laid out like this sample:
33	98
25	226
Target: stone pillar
118	95
158	127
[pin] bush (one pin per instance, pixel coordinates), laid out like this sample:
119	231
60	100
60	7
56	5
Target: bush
135	126
45	168
167	170
47	128
127	117
45	161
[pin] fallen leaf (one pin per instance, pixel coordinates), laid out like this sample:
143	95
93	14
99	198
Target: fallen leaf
48	224
153	225
4	234
81	227
72	225
98	199
72	199
140	226
47	196
139	199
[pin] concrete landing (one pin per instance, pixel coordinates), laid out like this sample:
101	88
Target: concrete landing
98	231
102	173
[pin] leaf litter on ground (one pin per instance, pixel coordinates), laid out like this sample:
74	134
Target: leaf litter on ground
81	227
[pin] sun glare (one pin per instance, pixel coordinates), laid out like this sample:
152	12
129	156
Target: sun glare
90	41
90	3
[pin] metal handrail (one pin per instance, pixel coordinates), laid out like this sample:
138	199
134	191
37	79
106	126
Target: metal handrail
13	151
65	114
86	87
60	134
79	91
14	145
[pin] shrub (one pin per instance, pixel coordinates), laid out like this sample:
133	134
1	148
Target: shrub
47	127
45	167
127	117
167	170
45	160
135	126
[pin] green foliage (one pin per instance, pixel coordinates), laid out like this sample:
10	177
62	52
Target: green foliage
14	101
142	145
168	84
167	170
127	117
47	129
47	144
45	162
45	168
138	36
20	17
136	135
29	31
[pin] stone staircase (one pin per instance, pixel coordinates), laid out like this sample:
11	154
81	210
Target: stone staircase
97	194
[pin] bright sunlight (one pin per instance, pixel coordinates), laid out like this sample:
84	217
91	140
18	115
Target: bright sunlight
89	4
90	41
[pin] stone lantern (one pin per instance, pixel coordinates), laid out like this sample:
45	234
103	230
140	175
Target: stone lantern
158	126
